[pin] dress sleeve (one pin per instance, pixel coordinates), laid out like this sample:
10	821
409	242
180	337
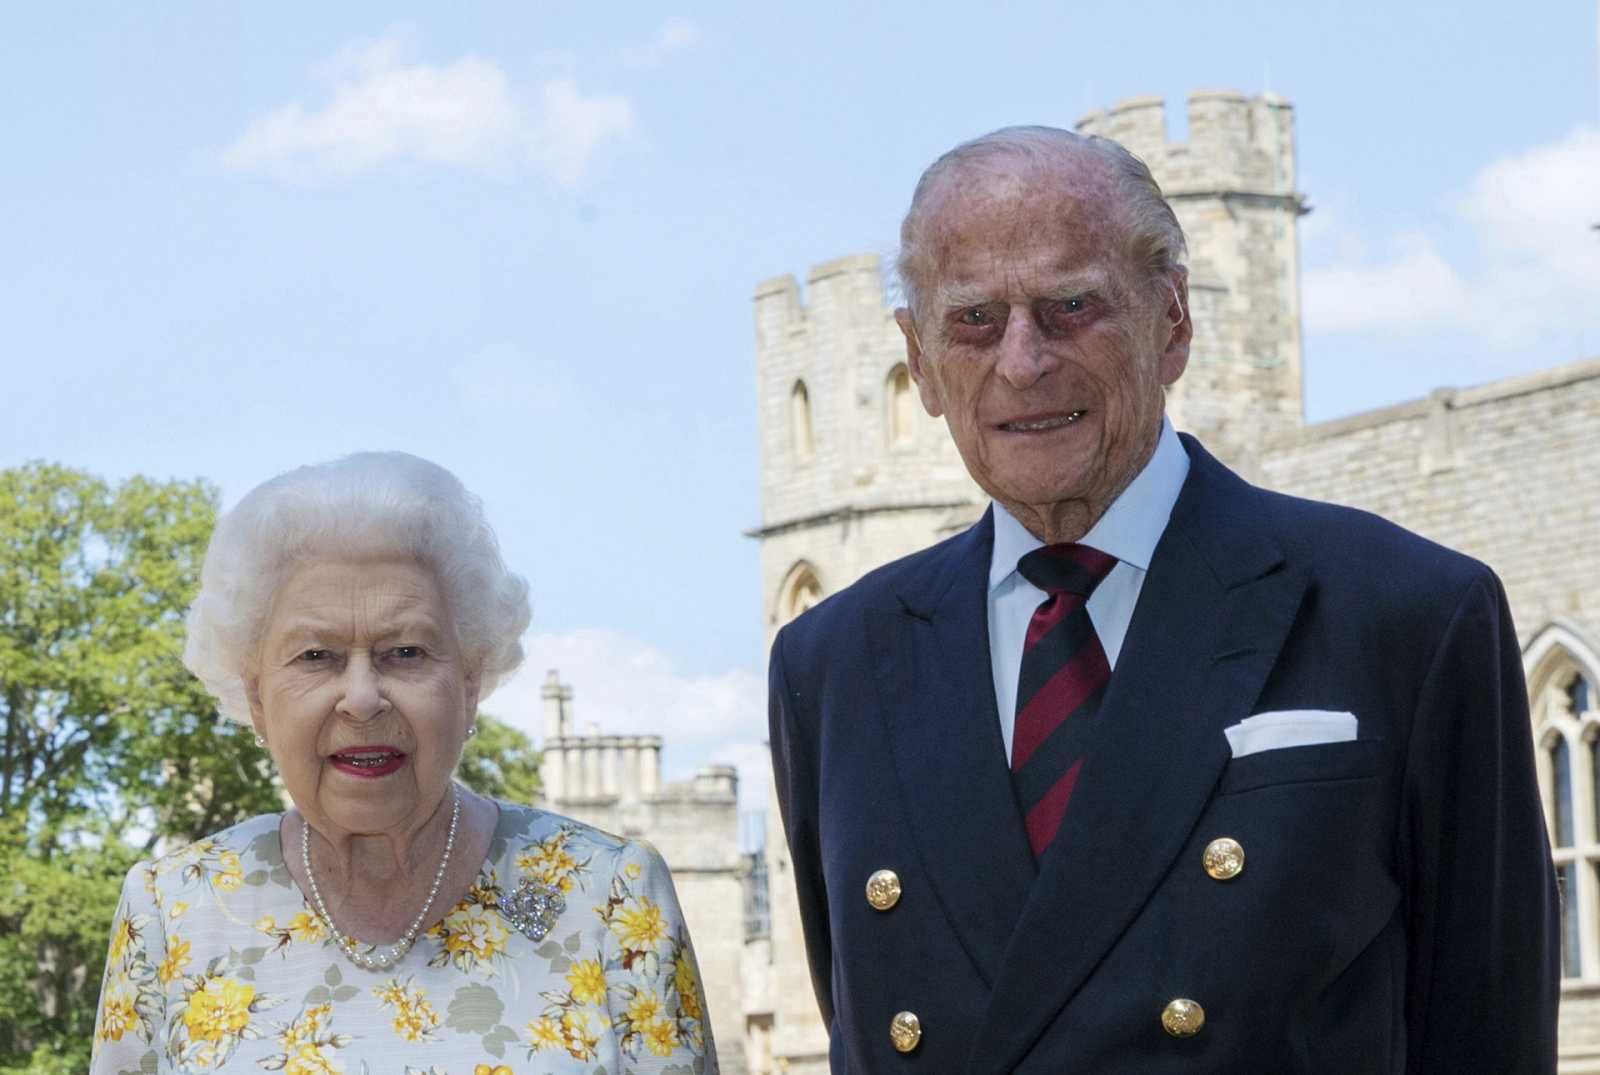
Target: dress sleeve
654	997
131	1020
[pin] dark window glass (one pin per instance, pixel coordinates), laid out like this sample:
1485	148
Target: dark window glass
1581	695
1561	771
1571	957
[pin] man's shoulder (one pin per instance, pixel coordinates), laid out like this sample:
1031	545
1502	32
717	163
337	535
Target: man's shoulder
1366	547
888	588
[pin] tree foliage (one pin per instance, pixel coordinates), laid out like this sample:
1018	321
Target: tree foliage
500	761
103	728
104	736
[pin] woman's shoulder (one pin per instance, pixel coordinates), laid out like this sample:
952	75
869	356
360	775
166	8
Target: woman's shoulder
223	858
521	825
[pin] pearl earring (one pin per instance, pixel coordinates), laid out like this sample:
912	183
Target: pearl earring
261	741
472	730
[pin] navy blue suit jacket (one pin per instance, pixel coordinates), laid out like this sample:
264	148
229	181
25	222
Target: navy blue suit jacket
1397	908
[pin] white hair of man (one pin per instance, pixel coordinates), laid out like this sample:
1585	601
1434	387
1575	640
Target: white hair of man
1154	234
363	506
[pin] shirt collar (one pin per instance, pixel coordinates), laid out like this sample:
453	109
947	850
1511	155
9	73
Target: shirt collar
1130	527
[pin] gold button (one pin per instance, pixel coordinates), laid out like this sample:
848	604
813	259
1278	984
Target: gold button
905	1030
883	890
1224	858
1183	1018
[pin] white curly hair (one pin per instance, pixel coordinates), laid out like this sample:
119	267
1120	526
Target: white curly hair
363	505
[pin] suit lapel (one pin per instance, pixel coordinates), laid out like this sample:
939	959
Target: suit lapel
1212	616
937	697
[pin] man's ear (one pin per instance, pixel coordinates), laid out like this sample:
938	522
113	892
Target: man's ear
1177	326
916	363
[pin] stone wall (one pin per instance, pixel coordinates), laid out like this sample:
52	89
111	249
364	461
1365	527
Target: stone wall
1508	473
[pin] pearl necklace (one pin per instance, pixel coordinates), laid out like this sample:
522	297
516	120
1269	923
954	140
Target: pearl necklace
382	957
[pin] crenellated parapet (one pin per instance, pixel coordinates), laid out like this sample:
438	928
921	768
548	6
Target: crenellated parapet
1237	145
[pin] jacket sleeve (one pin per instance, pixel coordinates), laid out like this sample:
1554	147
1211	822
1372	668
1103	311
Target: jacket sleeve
1483	966
795	779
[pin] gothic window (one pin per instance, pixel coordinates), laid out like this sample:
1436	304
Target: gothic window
799	592
800	420
902	407
1561	668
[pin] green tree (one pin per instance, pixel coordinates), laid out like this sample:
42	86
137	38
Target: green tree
104	736
500	761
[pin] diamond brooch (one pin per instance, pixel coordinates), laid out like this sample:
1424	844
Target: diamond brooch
533	908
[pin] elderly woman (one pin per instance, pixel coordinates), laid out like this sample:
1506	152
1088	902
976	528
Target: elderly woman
392	921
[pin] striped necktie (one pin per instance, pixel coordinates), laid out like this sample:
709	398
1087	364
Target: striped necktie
1064	674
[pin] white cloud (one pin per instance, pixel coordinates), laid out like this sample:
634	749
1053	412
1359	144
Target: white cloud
675	35
463	114
1531	218
624	686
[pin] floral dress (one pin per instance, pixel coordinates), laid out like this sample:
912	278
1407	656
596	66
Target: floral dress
217	962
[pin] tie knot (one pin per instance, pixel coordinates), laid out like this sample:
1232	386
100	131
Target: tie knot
1066	568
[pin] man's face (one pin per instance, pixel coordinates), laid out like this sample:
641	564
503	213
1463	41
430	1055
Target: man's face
1042	344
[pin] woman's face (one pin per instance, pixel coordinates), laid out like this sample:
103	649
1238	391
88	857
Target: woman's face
362	694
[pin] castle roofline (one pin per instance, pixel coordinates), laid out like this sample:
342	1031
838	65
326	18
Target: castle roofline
1457	399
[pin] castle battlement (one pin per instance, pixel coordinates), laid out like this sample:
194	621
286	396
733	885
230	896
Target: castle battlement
1238	145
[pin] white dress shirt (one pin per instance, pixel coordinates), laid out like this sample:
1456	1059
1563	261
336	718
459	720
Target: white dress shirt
1129	530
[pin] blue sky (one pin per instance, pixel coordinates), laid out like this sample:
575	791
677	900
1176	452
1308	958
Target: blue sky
521	240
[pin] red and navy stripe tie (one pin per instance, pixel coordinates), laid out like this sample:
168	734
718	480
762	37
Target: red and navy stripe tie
1064	675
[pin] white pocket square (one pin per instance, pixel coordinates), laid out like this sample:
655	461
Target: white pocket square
1290	728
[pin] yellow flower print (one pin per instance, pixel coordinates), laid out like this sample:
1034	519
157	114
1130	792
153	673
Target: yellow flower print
638	924
687	983
550	863
473	933
308	928
545	1033
414	1018
309	1059
177	959
227	882
580	1040
644	1008
117	1016
218	1010
125	934
266	924
588	982
661	1037
177	910
485	1069
632	870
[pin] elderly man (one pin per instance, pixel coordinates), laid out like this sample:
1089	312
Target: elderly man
1150	770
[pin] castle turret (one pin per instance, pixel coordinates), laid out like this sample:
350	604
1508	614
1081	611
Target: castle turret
853	471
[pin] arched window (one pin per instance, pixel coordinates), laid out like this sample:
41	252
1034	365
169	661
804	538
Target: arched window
800	590
902	408
1561	667
800	420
